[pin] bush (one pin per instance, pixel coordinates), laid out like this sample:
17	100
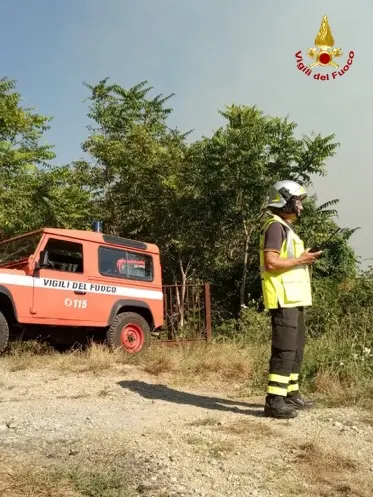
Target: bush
338	358
252	326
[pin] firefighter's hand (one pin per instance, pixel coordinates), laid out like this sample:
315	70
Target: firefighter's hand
309	257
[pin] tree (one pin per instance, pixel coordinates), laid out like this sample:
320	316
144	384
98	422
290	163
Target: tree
316	226
202	203
137	168
34	193
21	154
233	170
136	162
62	197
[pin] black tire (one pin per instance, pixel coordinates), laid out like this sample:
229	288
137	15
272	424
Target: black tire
129	331
4	332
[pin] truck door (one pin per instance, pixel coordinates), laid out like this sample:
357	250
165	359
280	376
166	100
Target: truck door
59	295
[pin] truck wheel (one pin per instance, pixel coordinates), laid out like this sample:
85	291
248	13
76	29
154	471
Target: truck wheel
129	331
4	332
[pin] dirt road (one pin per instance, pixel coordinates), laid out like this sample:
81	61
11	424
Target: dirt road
166	441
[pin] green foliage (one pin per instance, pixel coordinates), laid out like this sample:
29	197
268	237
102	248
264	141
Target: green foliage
33	193
20	132
340	345
316	226
138	160
251	326
21	152
338	361
62	198
230	174
201	202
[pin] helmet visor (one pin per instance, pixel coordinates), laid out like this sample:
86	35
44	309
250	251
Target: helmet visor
301	196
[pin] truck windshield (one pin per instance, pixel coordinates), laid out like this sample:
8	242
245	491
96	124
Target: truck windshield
17	250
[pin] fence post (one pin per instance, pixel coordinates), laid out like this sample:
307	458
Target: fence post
208	312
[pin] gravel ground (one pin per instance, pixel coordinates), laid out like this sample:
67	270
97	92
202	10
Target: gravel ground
175	442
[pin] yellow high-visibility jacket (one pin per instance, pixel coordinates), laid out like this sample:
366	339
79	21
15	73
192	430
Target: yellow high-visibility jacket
287	287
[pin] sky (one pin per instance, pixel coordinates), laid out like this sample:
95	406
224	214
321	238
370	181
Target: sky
210	53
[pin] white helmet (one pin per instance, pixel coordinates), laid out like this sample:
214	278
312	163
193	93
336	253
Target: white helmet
282	191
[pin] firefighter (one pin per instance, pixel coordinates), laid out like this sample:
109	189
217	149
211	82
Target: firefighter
286	291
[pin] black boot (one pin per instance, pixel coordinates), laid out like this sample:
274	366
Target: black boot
298	402
276	407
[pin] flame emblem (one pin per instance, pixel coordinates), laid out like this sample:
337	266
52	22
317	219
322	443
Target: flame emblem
324	41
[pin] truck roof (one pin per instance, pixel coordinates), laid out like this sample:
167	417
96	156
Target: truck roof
93	236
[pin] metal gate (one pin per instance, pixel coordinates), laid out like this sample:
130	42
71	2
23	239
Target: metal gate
187	313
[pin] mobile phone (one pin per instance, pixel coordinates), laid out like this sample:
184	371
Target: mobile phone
315	249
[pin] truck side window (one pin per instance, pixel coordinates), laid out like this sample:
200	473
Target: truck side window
65	256
125	264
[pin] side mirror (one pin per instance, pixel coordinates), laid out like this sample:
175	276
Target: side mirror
43	260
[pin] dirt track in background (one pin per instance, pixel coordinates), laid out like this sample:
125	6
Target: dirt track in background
169	441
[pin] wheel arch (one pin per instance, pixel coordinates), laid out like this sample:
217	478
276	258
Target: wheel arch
138	306
7	305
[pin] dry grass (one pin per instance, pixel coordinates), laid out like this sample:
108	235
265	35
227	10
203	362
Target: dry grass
227	438
333	392
75	396
208	421
96	465
237	368
327	383
188	364
200	363
216	448
330	471
321	458
367	419
221	448
27	480
242	428
34	355
249	429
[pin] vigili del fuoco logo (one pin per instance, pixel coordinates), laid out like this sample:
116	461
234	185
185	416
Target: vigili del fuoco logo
325	56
